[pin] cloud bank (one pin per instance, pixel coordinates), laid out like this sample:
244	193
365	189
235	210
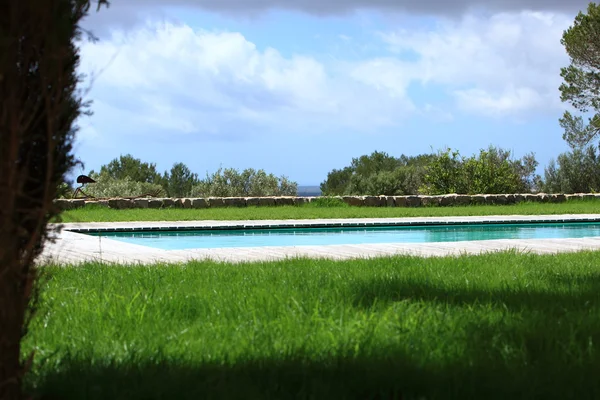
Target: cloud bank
171	78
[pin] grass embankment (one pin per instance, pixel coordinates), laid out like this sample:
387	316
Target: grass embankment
502	326
310	211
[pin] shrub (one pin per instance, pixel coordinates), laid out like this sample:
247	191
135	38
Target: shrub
230	182
574	172
402	180
337	182
445	174
492	171
107	186
377	174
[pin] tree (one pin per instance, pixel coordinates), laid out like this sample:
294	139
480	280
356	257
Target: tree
134	168
39	104
389	183
492	171
581	87
337	182
577	171
445	173
230	182
374	163
377	174
179	181
106	186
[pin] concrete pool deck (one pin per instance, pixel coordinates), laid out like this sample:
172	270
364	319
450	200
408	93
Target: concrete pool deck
73	247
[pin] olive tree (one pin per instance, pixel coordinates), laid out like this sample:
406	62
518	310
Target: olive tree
249	182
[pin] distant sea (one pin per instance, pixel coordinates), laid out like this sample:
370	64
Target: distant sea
309	191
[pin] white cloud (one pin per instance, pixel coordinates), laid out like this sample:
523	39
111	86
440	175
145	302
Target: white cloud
385	74
504	64
172	79
510	100
190	81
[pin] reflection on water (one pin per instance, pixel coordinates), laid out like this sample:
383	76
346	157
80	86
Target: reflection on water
448	234
172	240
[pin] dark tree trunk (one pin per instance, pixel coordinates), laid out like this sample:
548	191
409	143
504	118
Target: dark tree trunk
39	104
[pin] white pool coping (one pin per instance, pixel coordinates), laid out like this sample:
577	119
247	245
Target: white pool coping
72	247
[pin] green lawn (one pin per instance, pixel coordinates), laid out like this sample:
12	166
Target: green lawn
502	326
309	211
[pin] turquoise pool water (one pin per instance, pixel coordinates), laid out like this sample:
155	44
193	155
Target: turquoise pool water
179	240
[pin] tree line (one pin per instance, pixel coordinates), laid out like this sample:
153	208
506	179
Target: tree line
129	176
492	171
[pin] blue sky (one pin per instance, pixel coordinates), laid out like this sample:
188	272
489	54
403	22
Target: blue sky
300	91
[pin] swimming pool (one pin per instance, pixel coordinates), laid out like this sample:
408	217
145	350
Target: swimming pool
208	238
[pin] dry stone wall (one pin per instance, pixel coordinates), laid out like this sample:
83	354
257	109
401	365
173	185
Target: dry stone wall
359	201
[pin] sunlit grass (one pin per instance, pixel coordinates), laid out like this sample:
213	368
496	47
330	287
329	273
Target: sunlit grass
489	327
103	214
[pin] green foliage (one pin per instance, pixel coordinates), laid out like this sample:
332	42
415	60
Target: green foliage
107	186
377	174
133	168
374	163
492	171
179	181
577	171
576	132
445	174
129	176
230	182
337	182
581	87
395	182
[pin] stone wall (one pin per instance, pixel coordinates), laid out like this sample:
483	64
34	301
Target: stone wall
366	201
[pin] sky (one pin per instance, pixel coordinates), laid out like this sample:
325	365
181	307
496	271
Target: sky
301	87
